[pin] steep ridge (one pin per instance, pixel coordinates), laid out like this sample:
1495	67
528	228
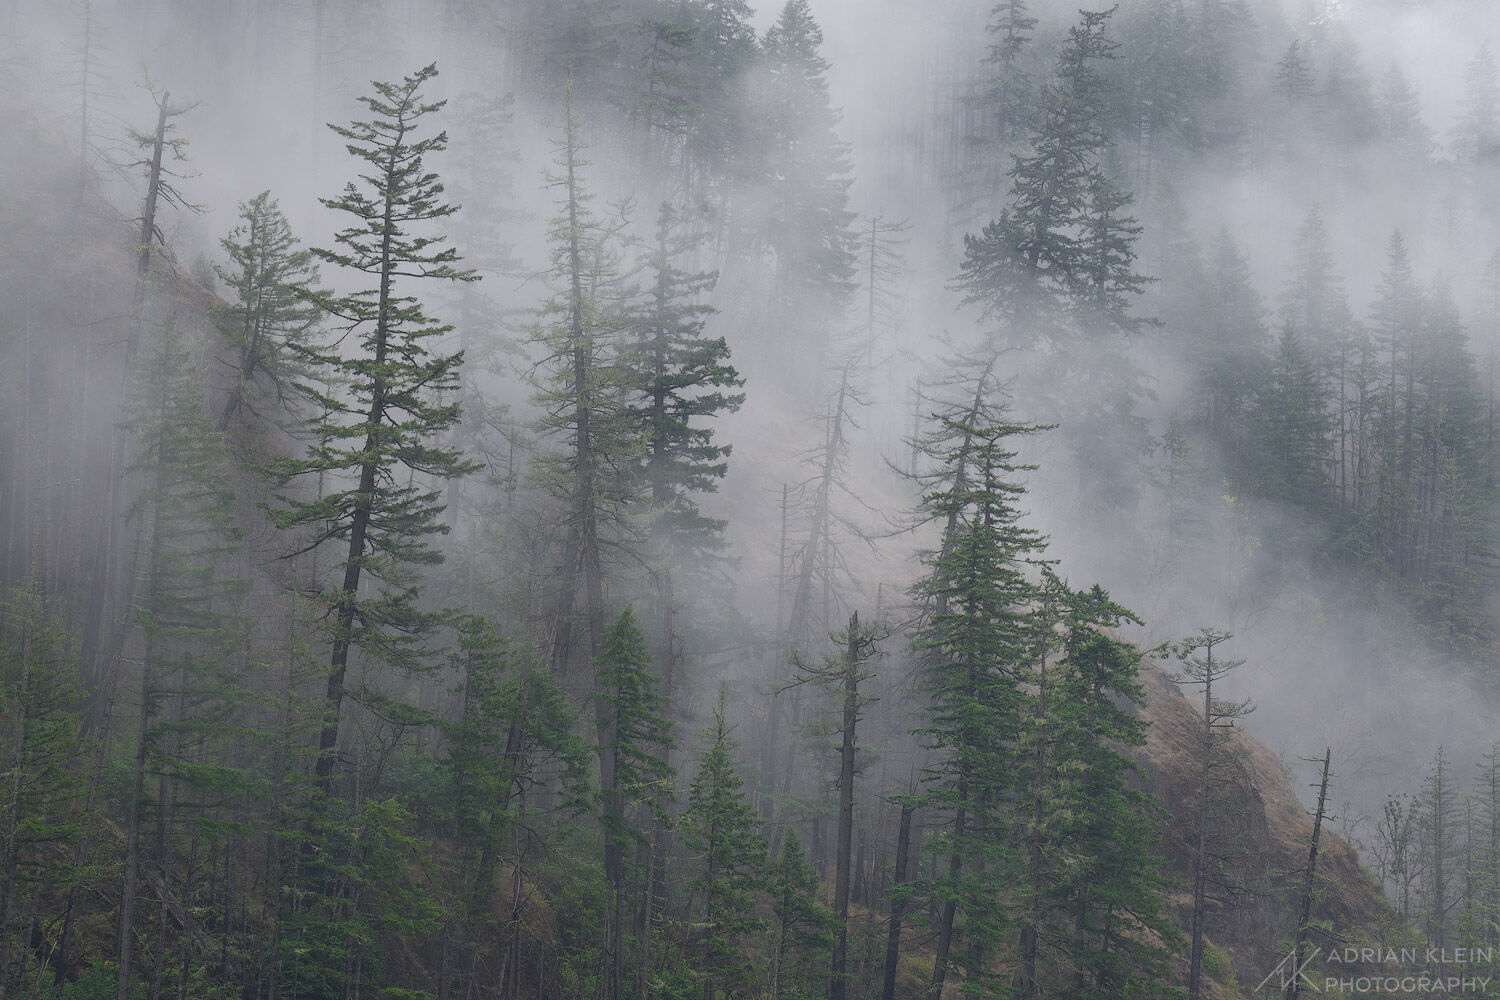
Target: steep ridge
1267	830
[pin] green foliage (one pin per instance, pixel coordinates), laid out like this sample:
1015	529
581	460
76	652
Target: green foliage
1061	250
972	644
634	734
727	855
270	321
801	927
188	615
681	379
41	781
806	166
374	442
1288	428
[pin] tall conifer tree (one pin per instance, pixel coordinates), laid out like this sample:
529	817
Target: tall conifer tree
378	442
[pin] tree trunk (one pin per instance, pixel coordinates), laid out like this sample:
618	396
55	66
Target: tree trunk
1200	874
837	981
1304	917
898	905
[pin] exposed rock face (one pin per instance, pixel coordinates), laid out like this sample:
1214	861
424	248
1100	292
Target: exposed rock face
1264	832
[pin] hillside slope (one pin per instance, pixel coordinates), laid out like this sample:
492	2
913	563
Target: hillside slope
1270	830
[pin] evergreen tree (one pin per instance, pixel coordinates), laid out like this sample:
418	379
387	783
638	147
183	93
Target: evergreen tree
384	419
681	379
1057	246
1294	75
272	316
188	695
1108	901
1400	118
1453	488
1441	840
634	739
800	937
1228	348
1011	90
725	51
727	851
1288	430
583	405
664	105
1397	330
1217	848
1313	303
1347	101
40	783
809	224
972	644
1476	138
480	766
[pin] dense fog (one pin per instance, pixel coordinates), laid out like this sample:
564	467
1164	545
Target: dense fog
706	310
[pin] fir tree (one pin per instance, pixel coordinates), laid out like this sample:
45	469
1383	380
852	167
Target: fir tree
1228	349
1061	245
1009	95
1400	118
972	645
1476	139
809	228
382	424
799	926
40	782
727	851
1108	900
633	741
188	695
681	379
1294	75
270	321
1288	430
581	332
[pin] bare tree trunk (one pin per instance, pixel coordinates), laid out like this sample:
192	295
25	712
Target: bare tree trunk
1200	873
898	905
1305	916
837	979
950	905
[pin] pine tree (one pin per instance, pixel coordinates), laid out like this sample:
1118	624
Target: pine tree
1441	825
1452	488
272	316
1215	851
1288	427
1313	303
1108	898
1400	118
634	738
1228	349
383	421
1294	75
799	926
809	226
1397	331
189	636
582	397
480	765
972	644
40	782
1060	244
727	851
665	103
682	379
1476	139
1008	98
725	51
